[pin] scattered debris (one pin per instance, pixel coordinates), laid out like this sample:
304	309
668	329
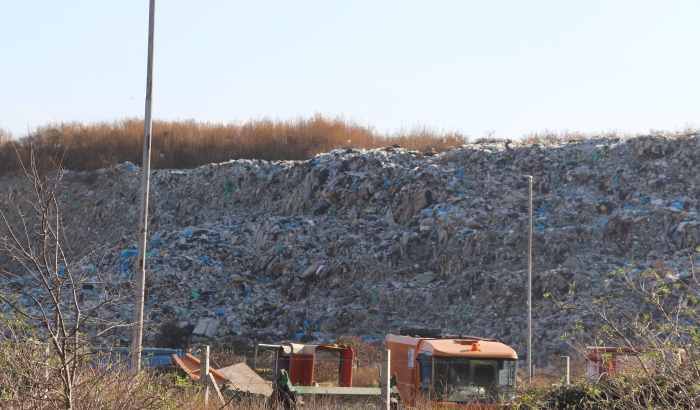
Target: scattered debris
341	243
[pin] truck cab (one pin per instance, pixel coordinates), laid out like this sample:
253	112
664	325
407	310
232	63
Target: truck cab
452	369
299	361
292	370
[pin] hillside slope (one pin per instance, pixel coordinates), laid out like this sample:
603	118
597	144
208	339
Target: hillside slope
369	241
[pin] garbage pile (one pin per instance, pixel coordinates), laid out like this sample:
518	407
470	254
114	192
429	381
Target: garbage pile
365	242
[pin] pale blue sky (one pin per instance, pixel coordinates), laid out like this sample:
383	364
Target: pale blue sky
509	66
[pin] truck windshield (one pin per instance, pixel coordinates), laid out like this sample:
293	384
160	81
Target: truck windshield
459	379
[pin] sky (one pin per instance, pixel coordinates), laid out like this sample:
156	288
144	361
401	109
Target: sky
502	68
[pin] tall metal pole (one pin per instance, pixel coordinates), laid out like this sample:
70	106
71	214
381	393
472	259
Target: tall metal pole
137	338
529	288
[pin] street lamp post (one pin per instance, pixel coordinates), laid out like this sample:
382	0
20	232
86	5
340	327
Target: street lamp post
529	286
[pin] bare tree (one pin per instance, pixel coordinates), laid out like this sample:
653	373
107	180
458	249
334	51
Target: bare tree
56	301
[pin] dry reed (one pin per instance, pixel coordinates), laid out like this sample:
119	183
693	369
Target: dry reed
189	143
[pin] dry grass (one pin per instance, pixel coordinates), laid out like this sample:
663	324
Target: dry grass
545	377
549	137
189	143
367	376
222	357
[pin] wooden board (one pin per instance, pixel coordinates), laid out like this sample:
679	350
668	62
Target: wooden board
243	378
190	365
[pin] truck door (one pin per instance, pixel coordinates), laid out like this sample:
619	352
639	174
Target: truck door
302	369
425	374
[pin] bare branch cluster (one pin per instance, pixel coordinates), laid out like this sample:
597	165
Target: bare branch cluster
57	302
653	355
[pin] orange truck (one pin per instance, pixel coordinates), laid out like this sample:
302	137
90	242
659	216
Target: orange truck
452	370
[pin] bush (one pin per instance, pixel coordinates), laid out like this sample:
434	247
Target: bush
658	339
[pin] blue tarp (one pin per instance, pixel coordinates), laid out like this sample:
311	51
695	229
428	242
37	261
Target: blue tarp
124	260
152	357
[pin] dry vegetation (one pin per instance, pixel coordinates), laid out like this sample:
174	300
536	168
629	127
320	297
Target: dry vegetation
189	143
548	137
33	384
367	362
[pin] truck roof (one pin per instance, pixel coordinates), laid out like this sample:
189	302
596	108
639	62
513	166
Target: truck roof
457	347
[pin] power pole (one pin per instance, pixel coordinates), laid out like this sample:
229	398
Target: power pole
137	337
529	288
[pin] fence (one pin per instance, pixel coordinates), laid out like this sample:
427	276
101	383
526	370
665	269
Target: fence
560	370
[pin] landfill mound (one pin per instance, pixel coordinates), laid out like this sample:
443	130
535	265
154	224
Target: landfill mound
365	242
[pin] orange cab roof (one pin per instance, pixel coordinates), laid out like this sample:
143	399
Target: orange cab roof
452	347
456	347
